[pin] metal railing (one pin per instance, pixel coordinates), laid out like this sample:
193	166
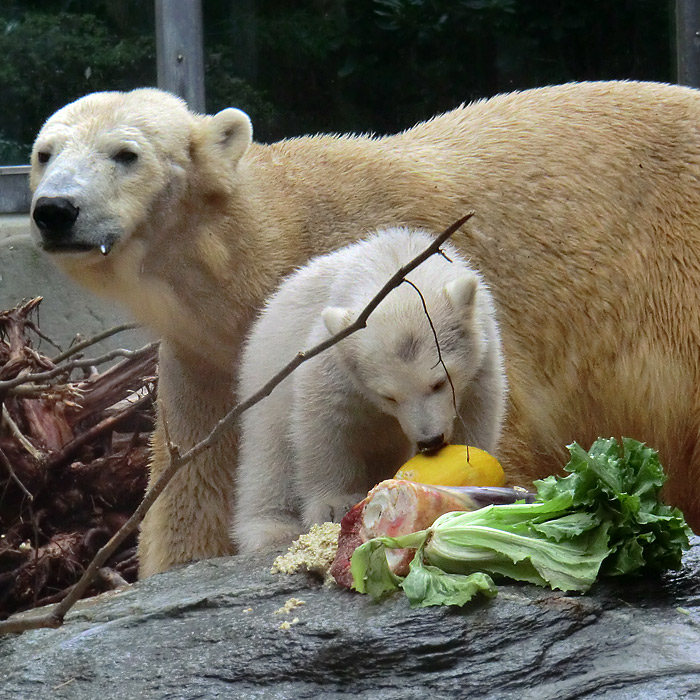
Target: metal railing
14	189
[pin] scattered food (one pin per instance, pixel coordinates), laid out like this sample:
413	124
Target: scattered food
290	605
395	507
287	624
313	551
605	517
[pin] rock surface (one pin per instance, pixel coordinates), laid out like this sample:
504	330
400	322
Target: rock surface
210	630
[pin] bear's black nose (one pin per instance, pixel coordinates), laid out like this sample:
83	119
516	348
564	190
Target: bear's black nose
431	444
55	214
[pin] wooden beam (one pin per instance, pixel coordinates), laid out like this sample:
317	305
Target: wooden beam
688	42
180	50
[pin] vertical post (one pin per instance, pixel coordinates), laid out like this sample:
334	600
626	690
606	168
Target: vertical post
180	51
688	42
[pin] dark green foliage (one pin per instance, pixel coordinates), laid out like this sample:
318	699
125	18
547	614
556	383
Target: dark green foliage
327	65
52	59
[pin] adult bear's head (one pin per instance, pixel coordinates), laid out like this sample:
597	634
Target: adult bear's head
112	166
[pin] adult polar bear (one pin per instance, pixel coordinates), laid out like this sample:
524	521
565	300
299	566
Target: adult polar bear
587	231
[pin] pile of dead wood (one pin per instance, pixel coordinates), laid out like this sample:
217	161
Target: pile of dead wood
74	437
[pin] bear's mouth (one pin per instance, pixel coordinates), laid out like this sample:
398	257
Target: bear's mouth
67	247
430	451
58	246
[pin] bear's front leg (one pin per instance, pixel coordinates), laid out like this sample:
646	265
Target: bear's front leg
190	519
331	475
266	512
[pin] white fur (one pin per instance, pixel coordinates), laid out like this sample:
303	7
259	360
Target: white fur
352	415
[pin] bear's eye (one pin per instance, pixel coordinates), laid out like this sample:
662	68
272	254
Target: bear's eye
439	385
125	156
43	157
390	399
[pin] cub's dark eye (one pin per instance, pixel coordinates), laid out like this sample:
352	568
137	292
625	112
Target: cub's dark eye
388	398
437	386
43	157
125	156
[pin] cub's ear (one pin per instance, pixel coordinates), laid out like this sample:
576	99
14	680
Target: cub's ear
461	293
336	319
227	134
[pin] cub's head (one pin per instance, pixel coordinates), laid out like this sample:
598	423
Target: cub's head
113	165
394	361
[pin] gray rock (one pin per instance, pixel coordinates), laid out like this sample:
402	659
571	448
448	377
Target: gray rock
210	630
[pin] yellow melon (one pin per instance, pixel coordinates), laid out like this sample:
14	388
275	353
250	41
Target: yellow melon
454	465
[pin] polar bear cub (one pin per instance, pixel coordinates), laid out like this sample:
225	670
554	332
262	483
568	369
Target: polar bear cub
352	415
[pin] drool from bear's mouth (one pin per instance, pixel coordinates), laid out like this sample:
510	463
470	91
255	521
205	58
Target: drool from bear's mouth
51	246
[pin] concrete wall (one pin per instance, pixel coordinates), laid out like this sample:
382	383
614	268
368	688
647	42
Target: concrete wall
67	310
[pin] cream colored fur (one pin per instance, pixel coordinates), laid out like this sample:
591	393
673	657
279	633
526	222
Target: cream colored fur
587	200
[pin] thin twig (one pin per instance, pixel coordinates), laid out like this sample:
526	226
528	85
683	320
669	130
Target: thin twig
75	364
54	617
18	435
70	448
6	463
439	351
35	327
32	391
440	361
54	598
95	339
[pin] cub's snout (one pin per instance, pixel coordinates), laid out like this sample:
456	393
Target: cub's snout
431	444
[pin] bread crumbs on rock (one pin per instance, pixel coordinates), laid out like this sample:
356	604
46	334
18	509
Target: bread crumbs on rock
313	551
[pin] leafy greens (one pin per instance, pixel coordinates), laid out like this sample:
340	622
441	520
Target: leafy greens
604	517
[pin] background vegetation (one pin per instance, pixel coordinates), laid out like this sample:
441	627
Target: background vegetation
325	65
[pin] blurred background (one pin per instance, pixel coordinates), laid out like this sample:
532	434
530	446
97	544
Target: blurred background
326	65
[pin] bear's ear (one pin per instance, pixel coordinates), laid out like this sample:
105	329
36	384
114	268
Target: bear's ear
336	319
461	293
228	133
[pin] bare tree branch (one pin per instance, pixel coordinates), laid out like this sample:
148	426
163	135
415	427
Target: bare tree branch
91	341
74	364
17	434
31	391
70	448
54	617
